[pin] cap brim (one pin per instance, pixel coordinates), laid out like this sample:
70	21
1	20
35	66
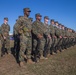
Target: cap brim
29	11
6	19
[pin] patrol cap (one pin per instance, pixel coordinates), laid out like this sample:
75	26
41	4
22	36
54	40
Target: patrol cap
68	28
38	14
65	28
6	18
62	25
52	20
56	21
27	9
73	31
59	24
46	17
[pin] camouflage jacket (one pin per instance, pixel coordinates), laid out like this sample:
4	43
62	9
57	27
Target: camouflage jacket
52	30
62	33
47	29
38	28
57	32
15	29
24	26
5	28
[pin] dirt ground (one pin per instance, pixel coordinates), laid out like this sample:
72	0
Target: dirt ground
59	64
9	66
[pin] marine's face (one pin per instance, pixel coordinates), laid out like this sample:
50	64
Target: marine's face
60	26
5	21
46	20
56	24
27	13
52	22
39	17
63	28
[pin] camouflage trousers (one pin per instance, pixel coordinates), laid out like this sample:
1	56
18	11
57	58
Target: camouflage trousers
38	47
48	43
54	44
16	46
5	45
25	46
59	44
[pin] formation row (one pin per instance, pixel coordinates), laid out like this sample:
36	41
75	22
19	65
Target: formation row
35	41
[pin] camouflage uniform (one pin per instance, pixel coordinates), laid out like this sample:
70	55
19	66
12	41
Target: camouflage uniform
58	35
52	33
5	28
38	29
24	29
31	19
15	35
47	37
56	38
63	37
16	40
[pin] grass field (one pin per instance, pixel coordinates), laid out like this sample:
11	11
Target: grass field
63	63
